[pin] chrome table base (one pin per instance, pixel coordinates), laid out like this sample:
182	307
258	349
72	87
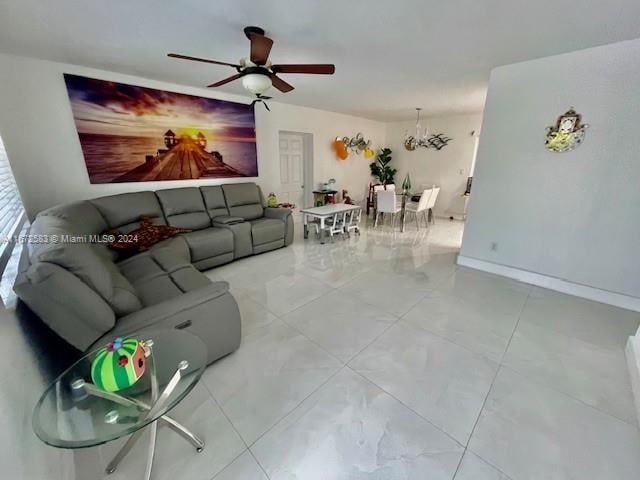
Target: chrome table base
158	402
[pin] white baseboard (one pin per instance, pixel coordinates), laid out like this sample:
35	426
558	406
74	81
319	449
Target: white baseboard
552	283
633	363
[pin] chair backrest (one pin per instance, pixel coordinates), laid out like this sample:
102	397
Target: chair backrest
386	201
434	195
423	204
378	188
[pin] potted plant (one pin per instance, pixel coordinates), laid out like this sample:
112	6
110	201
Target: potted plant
381	169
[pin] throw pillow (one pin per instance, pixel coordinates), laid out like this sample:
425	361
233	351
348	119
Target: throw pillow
143	237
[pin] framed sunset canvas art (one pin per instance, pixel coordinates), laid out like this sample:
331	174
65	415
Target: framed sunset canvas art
137	134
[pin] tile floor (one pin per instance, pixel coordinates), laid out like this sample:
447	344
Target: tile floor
376	357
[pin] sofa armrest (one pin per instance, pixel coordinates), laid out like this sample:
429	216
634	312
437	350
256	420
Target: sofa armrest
285	215
279	213
175	305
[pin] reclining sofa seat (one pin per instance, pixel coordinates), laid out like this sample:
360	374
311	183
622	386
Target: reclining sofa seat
88	294
271	228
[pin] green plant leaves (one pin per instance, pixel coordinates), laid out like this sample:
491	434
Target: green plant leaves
381	169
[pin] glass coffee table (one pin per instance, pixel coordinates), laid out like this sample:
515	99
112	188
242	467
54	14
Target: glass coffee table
75	413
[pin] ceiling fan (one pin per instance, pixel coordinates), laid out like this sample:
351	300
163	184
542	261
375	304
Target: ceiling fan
257	72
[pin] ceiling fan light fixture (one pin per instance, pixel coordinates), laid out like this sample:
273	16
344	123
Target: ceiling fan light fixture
256	83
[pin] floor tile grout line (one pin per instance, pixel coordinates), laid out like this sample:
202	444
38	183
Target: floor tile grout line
485	461
255	459
452	342
568	395
342	367
484	403
225	414
549	386
391	325
246	449
368	380
247	445
342	362
228	464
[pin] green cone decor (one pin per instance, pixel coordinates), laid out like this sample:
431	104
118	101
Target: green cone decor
118	365
406	183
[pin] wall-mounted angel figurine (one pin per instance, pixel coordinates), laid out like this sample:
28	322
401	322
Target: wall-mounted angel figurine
567	133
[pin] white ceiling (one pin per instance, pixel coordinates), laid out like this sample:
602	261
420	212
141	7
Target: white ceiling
390	56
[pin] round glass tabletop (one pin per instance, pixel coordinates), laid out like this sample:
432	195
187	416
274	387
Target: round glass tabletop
74	413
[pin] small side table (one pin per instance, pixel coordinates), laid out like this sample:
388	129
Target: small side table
74	413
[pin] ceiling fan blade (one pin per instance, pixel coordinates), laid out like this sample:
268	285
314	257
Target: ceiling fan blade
260	48
280	84
314	68
196	59
226	80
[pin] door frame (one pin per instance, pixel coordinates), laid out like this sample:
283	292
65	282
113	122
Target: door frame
307	165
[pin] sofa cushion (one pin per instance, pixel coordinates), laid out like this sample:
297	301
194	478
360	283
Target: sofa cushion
124	299
123	211
265	230
171	254
162	258
98	272
244	200
214	200
184	208
188	279
156	279
83	216
158	289
140	268
209	242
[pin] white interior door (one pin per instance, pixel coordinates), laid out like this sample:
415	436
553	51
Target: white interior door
292	168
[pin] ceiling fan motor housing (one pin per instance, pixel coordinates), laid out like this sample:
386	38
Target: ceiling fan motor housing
252	29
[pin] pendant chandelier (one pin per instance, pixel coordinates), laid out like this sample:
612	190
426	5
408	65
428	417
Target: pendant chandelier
423	139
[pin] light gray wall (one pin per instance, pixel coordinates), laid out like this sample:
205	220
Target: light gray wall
574	215
448	168
37	127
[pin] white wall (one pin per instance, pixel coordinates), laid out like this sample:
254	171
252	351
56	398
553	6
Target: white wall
448	168
37	127
572	216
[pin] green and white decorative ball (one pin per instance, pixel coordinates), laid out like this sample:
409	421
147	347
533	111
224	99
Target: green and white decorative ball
118	365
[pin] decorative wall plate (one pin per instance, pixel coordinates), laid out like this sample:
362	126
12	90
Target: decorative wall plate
566	134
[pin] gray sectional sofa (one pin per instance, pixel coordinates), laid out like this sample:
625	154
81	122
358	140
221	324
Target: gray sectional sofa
87	293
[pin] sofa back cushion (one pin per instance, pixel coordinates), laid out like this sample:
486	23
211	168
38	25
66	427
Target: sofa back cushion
55	244
122	212
243	200
214	201
184	208
84	217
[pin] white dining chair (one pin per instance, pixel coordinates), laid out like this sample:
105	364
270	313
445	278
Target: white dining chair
432	204
419	208
386	203
377	188
380	188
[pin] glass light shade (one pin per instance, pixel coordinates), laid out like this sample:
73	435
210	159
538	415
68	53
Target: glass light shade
256	83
